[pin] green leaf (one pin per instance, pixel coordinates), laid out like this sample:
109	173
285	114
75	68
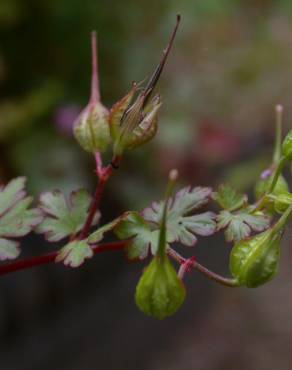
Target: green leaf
181	226
228	198
16	219
64	218
239	225
134	226
9	249
98	235
74	253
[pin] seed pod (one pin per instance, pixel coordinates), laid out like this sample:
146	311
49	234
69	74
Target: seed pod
254	261
134	123
287	146
263	185
283	201
159	292
91	128
134	126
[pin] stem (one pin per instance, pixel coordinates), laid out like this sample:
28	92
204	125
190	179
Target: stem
202	269
277	173
232	283
262	201
172	177
30	262
103	174
279	225
278	134
95	203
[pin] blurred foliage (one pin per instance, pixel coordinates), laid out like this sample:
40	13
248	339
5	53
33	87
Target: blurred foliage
229	67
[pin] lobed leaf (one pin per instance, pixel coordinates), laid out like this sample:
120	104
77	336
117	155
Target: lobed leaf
64	218
143	237
228	198
180	225
98	235
74	253
16	219
240	225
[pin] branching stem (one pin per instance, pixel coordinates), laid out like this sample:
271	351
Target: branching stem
103	174
44	259
192	263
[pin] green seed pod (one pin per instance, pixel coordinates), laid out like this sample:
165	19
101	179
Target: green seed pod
287	146
254	261
283	201
159	292
91	128
263	185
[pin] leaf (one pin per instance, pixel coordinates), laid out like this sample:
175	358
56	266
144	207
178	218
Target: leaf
134	226
74	253
240	225
64	218
228	198
181	226
98	235
9	249
16	219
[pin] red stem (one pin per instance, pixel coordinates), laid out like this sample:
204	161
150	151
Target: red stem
50	257
94	206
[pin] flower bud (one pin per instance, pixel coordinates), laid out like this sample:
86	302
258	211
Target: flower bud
254	261
159	292
287	146
91	128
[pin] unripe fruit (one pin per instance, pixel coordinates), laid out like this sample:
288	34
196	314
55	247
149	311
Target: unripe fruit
91	128
159	292
254	261
287	146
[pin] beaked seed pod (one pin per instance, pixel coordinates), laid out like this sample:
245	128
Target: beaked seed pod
283	201
254	261
91	128
263	185
287	146
159	292
134	122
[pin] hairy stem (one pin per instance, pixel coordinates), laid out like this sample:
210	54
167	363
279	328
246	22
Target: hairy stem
279	168
103	174
277	173
44	259
95	204
202	269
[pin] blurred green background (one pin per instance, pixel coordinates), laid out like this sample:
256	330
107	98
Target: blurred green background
231	63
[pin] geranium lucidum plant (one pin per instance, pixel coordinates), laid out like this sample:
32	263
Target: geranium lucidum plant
254	228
